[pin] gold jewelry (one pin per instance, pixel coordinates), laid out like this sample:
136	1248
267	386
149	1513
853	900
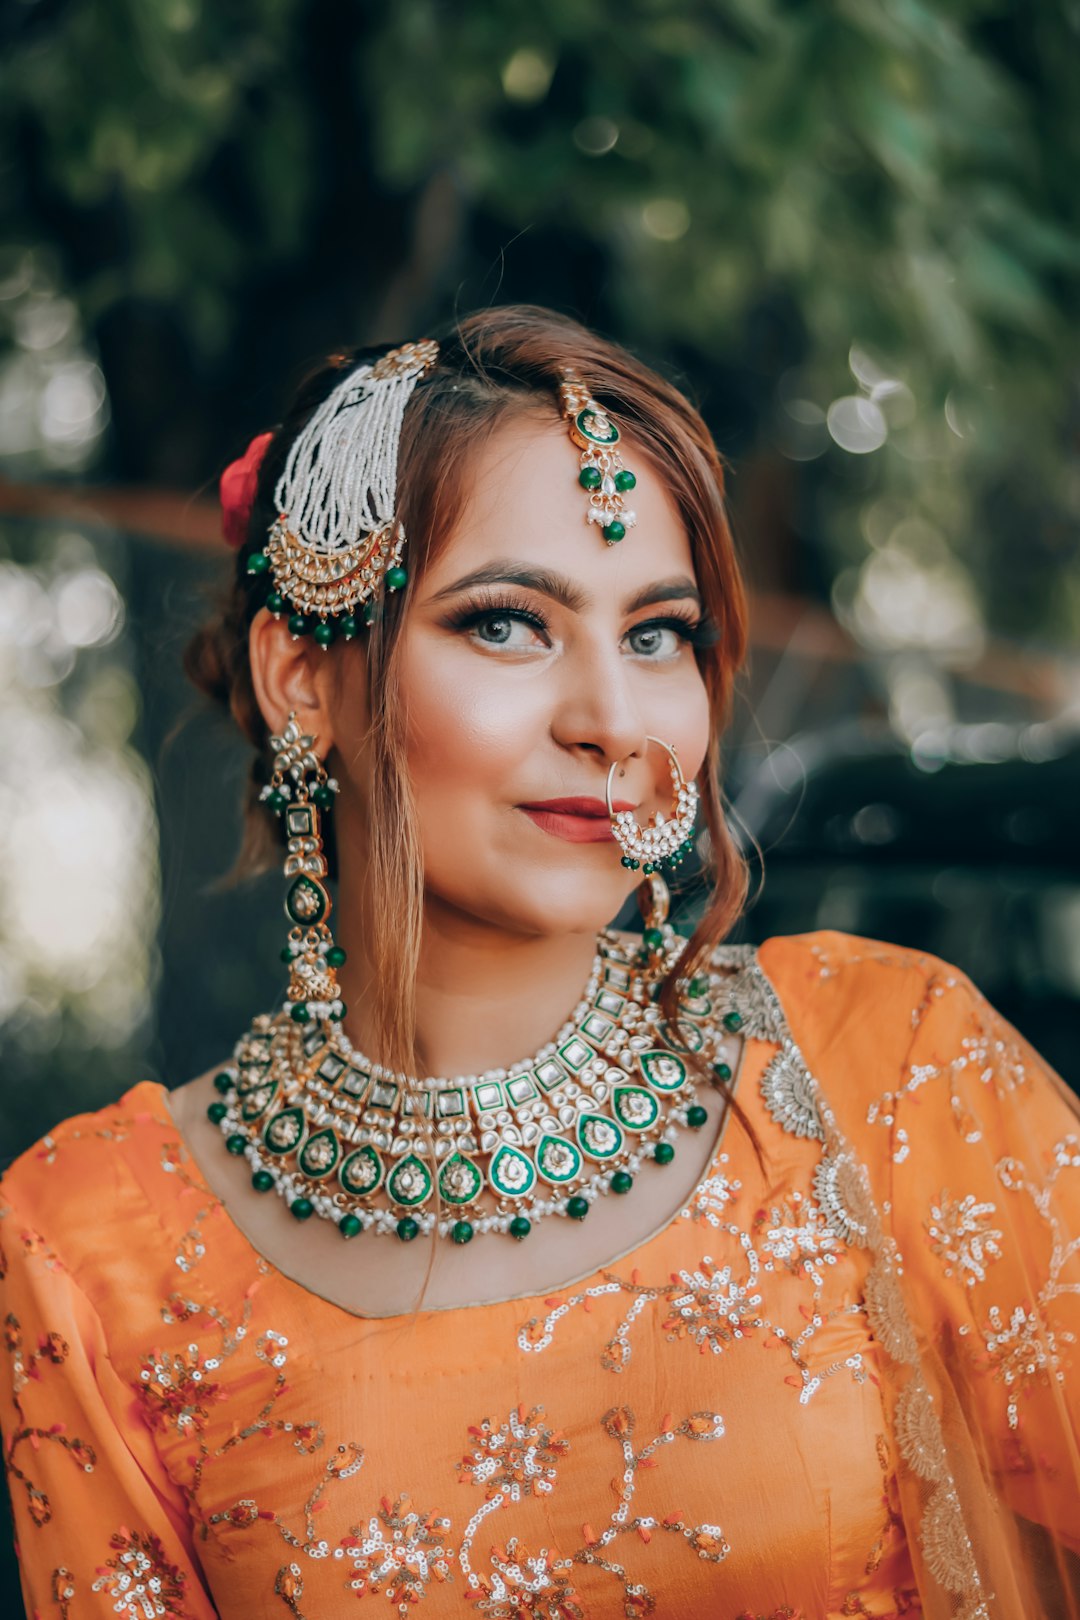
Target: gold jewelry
300	790
338	1136
336	539
667	840
602	471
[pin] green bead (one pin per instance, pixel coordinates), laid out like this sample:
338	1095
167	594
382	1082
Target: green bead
370	612
395	577
276	603
625	480
323	633
276	802
407	1229
732	1021
663	1153
223	1082
350	1226
216	1112
322	797
520	1227
622	1181
236	1144
696	1116
287	953
300	1013
258	562
336	956
590	478
262	1181
653	938
698	987
648	867
298	625
577	1208
613	531
722	1071
301	1208
347	626
338	1013
634	864
461	1232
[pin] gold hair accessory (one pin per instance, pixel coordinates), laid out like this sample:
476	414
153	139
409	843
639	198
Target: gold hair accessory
336	539
602	471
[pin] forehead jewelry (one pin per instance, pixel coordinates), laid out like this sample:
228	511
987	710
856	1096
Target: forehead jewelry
665	839
336	538
602	471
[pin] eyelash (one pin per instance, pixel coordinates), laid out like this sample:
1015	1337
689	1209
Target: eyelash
696	631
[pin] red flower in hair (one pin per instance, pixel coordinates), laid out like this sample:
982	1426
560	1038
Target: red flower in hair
237	488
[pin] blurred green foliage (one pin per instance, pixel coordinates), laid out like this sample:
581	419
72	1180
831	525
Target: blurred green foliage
747	187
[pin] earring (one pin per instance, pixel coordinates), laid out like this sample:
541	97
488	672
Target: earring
662	840
301	790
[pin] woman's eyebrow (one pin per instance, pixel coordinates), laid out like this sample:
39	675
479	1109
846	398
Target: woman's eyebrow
564	590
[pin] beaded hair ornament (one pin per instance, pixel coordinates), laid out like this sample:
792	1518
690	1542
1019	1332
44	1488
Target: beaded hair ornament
336	538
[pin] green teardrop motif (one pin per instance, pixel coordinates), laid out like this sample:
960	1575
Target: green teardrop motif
693	1042
307	902
663	1070
600	1137
320	1154
635	1107
254	1103
512	1174
286	1131
460	1180
557	1160
362	1172
409	1182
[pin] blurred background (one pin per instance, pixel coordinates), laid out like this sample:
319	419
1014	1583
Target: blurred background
848	229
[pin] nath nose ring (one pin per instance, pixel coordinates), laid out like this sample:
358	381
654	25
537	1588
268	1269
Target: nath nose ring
663	839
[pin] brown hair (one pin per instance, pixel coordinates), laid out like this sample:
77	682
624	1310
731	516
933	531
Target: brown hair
491	363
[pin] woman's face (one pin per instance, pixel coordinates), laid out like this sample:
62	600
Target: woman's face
534	656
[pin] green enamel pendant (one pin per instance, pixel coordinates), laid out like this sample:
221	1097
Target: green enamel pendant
512	1174
635	1107
409	1182
362	1172
307	902
663	1070
596	428
253	1104
460	1180
557	1160
286	1131
599	1136
320	1154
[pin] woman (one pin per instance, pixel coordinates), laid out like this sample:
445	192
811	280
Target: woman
748	1289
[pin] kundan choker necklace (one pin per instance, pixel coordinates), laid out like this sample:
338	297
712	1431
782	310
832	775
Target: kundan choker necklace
340	1137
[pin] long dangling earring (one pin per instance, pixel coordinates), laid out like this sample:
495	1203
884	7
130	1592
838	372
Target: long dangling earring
662	839
301	790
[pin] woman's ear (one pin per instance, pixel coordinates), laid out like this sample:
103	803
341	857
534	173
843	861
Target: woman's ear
292	673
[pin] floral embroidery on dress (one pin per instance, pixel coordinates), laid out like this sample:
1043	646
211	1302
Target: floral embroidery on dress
961	1235
526	1586
52	1351
140	1580
399	1552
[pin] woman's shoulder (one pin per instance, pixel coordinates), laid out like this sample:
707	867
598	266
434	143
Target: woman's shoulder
91	1172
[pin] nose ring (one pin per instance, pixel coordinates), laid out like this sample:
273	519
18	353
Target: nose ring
667	839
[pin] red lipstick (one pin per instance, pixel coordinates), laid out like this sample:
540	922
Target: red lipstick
577	820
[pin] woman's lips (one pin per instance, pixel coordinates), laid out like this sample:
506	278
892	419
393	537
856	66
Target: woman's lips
578	821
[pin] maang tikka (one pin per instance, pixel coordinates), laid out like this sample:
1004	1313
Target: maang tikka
336	539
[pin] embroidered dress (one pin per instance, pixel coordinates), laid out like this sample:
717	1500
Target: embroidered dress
842	1382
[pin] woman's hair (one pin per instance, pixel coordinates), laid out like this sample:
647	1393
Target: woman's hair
492	365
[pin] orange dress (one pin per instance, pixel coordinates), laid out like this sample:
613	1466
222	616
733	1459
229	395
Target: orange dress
841	1382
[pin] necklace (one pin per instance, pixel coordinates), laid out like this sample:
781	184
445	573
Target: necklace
338	1136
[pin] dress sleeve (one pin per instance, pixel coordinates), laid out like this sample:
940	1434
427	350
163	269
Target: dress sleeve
100	1528
985	1192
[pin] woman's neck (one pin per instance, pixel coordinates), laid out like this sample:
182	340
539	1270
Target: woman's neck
485	997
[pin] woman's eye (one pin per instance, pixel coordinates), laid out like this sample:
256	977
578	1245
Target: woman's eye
497	629
658	640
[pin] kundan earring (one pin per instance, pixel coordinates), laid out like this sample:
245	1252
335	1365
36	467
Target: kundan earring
301	791
664	839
